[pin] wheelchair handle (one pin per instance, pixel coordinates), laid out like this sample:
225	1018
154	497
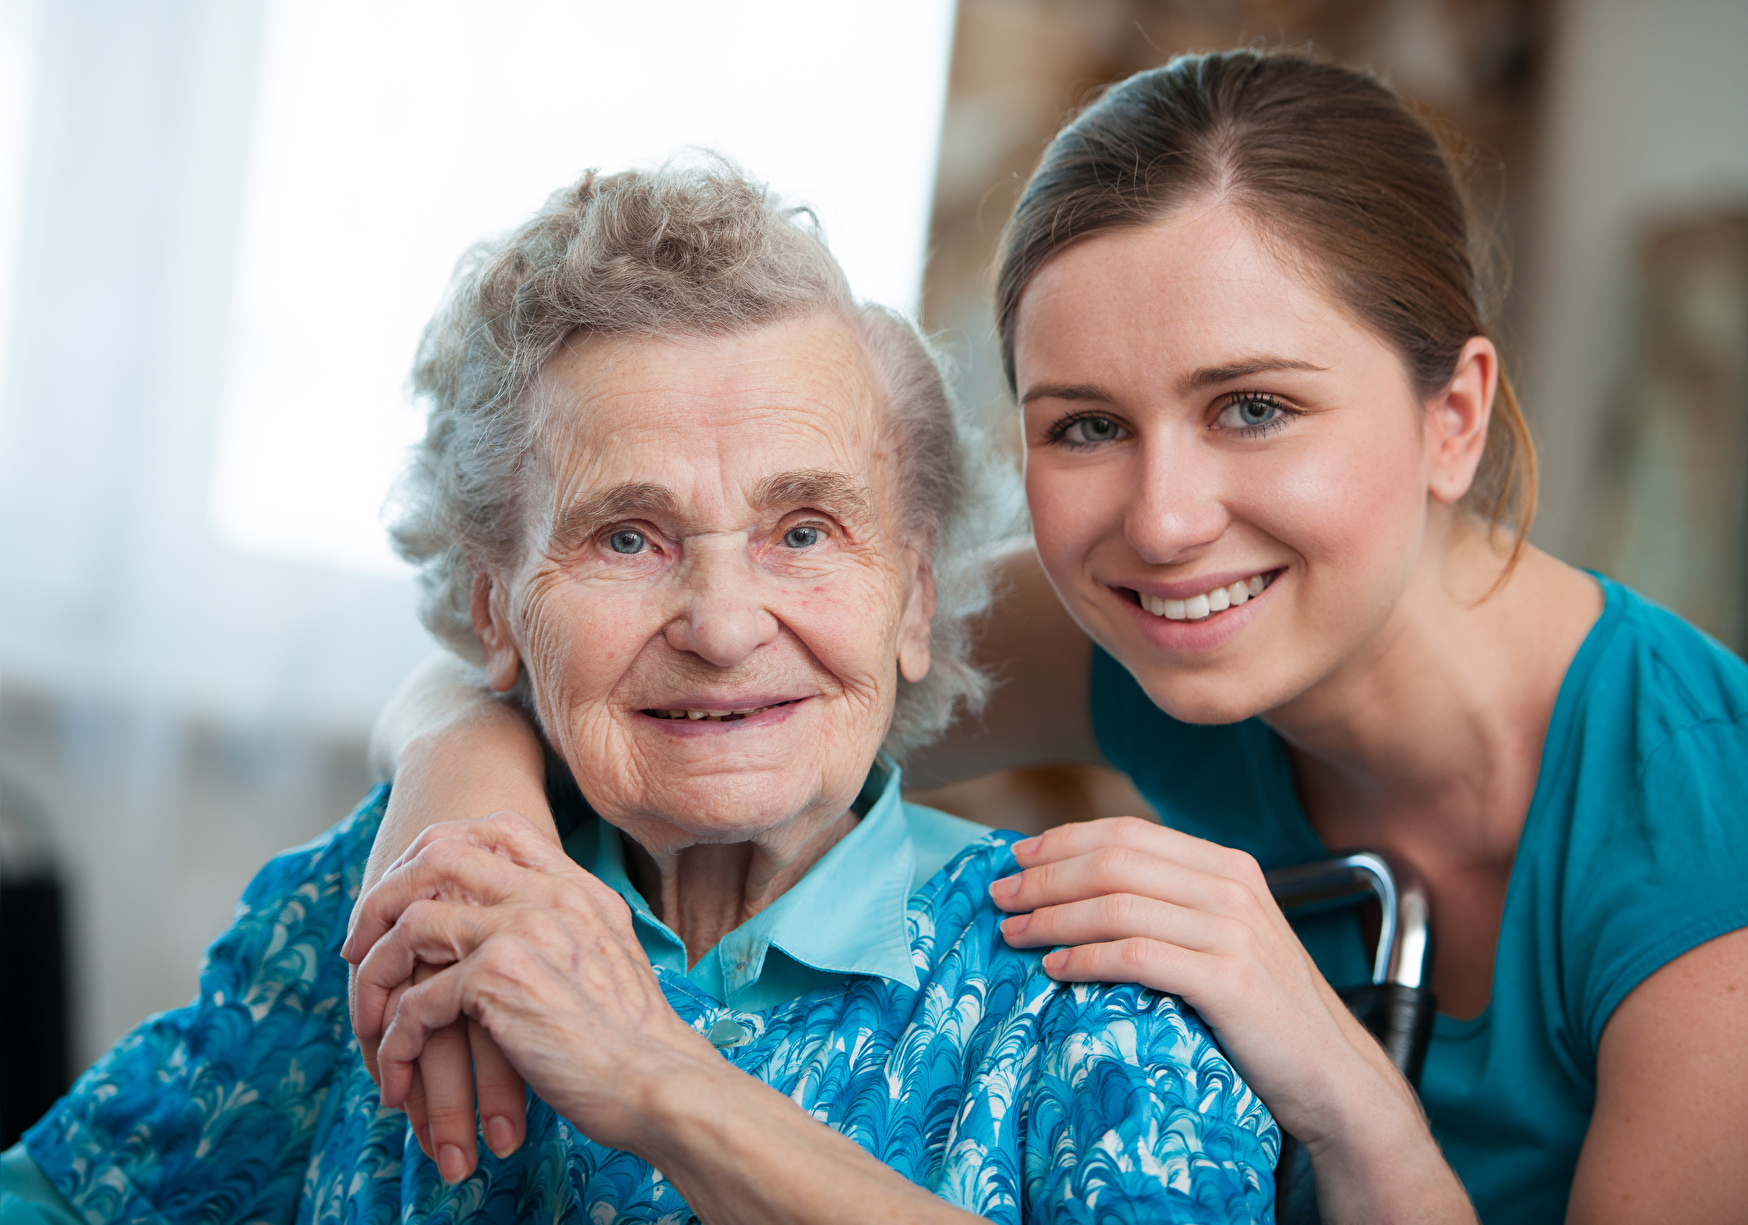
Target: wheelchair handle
1404	953
1397	1005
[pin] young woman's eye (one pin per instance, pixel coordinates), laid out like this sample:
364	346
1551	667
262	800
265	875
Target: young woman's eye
628	540
1087	430
1253	414
803	537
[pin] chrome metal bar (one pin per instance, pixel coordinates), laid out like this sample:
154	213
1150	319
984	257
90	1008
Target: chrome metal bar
1404	938
1347	876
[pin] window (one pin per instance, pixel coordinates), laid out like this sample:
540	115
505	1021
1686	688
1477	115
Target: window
393	133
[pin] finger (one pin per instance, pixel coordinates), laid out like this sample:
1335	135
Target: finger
451	869
1151	963
503	1098
1084	837
417	1119
1120	916
1122	869
421	1011
446	1070
427	933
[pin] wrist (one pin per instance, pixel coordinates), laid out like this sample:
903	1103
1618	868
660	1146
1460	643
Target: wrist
1375	1156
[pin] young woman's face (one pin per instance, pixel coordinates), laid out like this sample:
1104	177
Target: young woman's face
1228	475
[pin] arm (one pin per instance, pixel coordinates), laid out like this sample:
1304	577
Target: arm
455	751
1666	1139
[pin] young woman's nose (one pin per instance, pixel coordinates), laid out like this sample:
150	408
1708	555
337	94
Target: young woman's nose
725	619
1179	510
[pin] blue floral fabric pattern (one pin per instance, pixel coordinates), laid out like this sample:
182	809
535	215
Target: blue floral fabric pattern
1003	1091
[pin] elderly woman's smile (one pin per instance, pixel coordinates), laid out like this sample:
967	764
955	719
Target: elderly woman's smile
712	598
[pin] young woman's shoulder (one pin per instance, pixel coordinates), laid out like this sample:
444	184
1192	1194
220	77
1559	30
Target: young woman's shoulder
1679	676
1638	824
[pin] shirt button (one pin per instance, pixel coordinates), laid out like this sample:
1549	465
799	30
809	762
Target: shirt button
726	1033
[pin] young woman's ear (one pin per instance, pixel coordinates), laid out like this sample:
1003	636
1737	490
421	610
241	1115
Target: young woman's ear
913	629
491	625
1456	421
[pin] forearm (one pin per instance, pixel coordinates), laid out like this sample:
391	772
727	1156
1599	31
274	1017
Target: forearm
1378	1161
455	751
743	1154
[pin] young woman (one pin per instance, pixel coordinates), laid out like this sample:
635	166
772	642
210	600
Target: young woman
1279	481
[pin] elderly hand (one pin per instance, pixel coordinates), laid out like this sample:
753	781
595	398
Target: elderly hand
1137	902
533	954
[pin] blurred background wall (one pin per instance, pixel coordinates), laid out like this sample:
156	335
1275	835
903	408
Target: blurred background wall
222	221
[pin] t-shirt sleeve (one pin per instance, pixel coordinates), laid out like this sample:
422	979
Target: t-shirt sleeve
1664	875
1136	1112
208	1112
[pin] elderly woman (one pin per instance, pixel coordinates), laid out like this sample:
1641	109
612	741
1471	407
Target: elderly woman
713	523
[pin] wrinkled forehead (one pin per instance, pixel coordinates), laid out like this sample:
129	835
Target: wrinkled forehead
713	421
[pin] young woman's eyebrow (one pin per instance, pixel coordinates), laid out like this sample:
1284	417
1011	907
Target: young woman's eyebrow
1213	376
629	500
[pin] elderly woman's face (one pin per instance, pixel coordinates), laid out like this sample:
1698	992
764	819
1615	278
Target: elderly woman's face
714	604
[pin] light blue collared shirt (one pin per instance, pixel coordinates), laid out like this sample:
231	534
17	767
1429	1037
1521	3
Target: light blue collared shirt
844	917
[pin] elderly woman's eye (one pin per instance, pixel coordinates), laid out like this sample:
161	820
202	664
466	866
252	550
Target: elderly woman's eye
625	540
801	537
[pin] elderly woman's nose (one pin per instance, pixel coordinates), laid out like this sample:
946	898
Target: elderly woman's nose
725	618
1180	508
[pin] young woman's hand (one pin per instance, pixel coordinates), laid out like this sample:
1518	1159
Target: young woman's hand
1132	901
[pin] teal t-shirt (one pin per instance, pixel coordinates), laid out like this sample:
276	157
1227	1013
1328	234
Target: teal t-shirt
1634	851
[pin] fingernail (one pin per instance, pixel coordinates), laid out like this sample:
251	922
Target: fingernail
1004	888
1054	962
1015	927
1026	846
500	1135
451	1164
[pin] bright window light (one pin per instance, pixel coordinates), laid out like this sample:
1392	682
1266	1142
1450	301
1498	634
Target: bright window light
393	133
19	21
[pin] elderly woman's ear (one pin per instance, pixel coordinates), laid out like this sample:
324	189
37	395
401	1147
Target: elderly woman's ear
913	629
491	625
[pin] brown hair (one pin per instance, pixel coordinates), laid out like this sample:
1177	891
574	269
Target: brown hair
1326	161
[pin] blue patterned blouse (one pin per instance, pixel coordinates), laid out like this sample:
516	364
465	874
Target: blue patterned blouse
1005	1092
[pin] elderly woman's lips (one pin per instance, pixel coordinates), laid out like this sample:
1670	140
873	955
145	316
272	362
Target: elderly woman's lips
717	716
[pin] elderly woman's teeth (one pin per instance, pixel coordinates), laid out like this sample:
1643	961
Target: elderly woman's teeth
715	716
1199	607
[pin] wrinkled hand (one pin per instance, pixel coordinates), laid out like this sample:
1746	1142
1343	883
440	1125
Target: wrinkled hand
533	953
1137	902
458	1060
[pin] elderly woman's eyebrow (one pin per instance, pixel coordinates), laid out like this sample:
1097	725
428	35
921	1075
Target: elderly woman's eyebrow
630	500
838	493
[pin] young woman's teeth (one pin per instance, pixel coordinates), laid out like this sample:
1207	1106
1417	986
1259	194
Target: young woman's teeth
1199	607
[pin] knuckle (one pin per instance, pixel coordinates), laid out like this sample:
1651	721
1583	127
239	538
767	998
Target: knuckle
1133	955
1122	909
1132	830
1118	860
1232	897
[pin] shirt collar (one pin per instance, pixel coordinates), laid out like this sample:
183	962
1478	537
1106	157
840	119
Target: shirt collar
845	916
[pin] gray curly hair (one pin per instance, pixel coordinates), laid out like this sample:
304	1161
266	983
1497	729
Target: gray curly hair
680	251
